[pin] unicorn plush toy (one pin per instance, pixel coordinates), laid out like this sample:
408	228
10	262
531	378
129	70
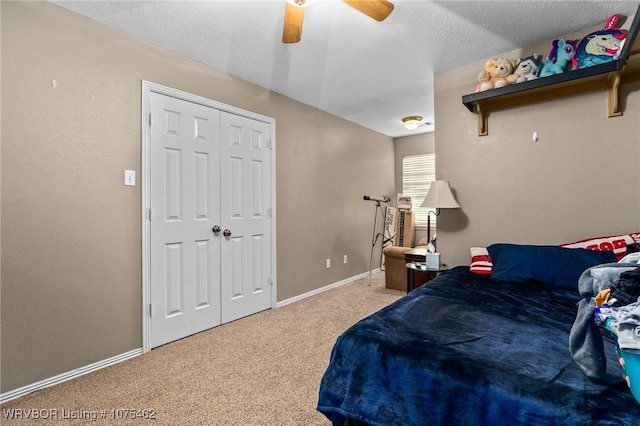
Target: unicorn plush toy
560	57
600	46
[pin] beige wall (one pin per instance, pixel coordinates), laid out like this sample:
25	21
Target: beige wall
580	180
71	231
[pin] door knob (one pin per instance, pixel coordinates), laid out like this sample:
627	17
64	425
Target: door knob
226	233
215	229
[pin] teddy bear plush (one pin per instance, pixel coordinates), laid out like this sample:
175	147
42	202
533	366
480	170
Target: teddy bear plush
495	74
527	69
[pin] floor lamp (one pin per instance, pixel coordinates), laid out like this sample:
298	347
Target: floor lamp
438	197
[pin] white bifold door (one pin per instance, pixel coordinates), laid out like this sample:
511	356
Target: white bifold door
210	217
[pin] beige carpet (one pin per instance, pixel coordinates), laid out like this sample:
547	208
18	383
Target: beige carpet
261	370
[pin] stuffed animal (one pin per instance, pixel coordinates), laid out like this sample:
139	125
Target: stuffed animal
527	69
495	74
559	59
600	46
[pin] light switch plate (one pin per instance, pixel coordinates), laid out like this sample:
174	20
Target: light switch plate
130	177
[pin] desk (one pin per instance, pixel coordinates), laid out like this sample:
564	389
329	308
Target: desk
417	254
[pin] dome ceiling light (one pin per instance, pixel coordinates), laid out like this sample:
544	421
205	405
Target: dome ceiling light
411	122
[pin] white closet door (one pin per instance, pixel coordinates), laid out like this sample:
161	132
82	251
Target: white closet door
246	214
185	193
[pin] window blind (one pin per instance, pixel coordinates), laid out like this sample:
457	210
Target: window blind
418	171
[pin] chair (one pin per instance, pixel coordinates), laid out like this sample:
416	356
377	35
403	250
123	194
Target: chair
395	269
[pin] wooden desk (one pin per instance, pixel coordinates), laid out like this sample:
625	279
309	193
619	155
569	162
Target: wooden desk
418	254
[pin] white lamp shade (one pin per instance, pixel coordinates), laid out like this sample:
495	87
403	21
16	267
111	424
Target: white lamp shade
440	196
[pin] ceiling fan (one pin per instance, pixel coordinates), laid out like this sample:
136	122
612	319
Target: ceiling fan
294	15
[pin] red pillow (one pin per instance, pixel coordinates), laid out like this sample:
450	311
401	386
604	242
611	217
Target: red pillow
617	244
480	261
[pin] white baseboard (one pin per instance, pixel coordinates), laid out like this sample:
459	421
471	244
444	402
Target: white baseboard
325	288
17	393
60	378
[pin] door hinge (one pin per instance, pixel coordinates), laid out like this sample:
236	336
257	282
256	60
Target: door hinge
149	215
150	309
270	144
270	212
270	280
149	119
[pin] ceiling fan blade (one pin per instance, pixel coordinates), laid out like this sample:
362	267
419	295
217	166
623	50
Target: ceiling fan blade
293	17
377	9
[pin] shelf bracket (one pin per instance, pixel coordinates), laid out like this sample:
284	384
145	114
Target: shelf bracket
613	93
483	121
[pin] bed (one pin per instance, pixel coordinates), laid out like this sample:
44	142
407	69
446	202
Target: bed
469	349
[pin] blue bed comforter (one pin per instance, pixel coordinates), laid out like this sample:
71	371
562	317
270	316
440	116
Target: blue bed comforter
469	350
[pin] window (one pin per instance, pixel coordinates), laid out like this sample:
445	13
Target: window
418	171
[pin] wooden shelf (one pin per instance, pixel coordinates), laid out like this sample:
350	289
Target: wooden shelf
608	77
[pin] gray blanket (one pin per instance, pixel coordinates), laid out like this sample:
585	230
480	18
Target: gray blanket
585	340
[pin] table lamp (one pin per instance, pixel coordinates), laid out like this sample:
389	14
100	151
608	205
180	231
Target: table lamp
438	197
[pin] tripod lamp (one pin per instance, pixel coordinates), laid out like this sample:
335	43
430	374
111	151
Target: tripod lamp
438	197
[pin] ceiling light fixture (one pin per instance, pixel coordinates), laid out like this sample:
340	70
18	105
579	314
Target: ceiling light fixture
411	122
300	3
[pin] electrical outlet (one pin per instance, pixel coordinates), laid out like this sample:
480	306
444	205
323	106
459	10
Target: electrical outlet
130	177
345	259
328	261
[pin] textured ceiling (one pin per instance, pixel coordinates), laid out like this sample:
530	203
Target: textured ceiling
372	73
